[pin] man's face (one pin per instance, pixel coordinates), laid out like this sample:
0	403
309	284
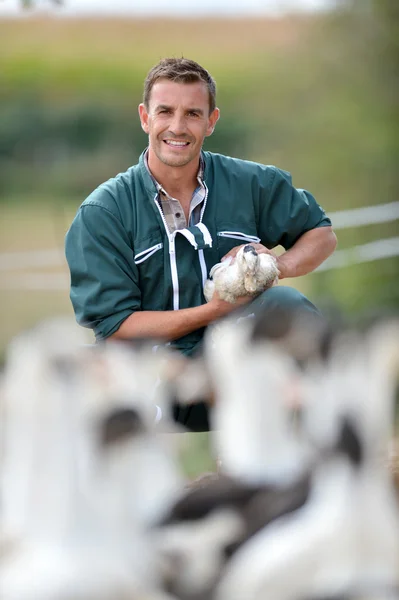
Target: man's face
177	121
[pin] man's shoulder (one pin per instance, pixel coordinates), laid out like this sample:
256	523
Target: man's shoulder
115	192
239	166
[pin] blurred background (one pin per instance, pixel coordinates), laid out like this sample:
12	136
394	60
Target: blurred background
309	86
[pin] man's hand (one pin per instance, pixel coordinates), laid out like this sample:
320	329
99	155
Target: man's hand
223	308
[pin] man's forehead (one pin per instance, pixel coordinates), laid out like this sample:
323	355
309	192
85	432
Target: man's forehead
171	93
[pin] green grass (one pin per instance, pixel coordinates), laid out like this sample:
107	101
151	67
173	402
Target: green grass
27	226
197	454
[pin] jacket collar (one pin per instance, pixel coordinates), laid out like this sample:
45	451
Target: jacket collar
149	182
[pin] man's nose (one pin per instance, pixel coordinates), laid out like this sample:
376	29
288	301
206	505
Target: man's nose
178	124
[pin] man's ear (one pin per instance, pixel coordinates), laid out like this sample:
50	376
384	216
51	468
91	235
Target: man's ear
143	117
212	120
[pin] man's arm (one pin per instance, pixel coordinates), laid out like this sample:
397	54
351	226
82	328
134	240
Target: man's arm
310	250
173	324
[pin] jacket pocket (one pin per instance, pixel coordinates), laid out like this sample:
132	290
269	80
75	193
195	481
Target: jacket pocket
150	263
238	235
229	239
145	254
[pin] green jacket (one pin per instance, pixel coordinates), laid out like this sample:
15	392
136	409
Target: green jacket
122	257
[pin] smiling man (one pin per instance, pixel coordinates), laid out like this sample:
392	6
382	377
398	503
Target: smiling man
143	243
177	117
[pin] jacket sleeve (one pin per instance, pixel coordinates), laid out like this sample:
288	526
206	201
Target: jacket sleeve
286	212
104	278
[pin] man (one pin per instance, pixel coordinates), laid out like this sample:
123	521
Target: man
143	243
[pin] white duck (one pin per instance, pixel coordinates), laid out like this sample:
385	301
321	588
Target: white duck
249	273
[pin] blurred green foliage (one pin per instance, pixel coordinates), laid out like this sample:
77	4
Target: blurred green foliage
316	96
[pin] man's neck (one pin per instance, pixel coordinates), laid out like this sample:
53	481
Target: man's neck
175	180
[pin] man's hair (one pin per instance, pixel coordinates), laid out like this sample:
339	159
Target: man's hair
180	70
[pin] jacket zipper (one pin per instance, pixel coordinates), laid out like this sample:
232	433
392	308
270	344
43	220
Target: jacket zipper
172	257
204	270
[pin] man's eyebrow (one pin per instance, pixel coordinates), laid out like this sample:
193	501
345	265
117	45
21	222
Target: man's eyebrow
167	107
196	110
162	107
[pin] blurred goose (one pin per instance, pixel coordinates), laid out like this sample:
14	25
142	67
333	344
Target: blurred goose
255	384
249	273
345	538
82	474
264	467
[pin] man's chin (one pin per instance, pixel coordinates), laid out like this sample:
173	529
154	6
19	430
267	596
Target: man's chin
176	161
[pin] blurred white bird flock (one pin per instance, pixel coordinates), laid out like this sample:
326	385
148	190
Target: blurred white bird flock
93	501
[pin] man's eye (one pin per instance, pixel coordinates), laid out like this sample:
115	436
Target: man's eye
193	114
164	111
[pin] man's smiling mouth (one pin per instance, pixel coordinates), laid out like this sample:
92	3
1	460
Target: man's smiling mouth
176	144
